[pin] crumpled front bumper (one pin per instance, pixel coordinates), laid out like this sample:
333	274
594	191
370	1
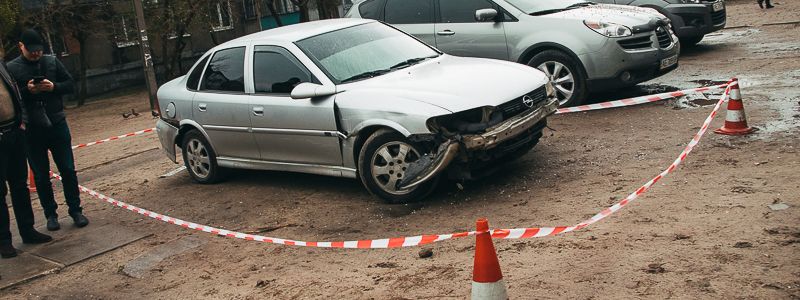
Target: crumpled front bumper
429	167
692	20
510	128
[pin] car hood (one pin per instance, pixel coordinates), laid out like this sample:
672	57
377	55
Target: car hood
452	83
620	14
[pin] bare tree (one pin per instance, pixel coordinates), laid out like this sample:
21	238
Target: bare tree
78	19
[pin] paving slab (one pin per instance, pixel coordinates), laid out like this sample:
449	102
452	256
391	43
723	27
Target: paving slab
72	245
143	264
23	268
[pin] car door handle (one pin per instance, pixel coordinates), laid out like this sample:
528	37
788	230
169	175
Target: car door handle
446	32
258	111
201	107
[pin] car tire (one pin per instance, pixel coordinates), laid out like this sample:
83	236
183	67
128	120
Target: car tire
571	91
381	165
689	42
199	158
523	150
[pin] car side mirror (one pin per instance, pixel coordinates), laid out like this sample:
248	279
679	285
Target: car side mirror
310	90
486	14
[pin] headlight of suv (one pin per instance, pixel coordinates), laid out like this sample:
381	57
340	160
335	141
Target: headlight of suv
609	29
550	89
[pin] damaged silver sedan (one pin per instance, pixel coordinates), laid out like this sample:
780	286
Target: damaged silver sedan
351	98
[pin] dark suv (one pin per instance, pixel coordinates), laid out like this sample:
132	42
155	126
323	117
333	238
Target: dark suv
691	19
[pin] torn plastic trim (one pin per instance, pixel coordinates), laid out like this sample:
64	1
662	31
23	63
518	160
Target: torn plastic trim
509	129
427	168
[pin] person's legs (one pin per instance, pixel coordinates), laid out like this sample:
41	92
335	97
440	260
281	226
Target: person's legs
61	148
16	175
769	5
760	3
5	219
37	141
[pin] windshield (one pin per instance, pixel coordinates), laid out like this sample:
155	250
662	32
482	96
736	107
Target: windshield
535	6
364	51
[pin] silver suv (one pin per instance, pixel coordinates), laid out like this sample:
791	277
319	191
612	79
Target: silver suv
582	46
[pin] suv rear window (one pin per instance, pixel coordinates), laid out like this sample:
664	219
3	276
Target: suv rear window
409	11
372	9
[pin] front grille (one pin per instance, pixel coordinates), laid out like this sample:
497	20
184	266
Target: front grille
636	42
664	39
718	18
517	106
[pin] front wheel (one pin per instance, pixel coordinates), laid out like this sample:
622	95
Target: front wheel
199	158
689	42
382	163
565	74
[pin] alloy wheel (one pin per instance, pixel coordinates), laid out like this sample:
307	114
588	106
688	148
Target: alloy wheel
198	158
562	79
389	165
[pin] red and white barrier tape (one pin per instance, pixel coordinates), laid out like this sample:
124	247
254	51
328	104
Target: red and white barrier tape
113	138
549	231
639	100
398	242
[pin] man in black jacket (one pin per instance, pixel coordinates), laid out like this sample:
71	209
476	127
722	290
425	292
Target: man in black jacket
44	80
13	169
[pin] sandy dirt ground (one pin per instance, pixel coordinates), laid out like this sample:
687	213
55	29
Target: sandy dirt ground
704	232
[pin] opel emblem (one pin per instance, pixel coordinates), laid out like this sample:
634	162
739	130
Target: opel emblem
527	100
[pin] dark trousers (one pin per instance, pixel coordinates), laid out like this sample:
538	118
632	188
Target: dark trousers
14	171
58	141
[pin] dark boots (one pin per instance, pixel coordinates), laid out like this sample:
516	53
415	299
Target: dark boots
29	237
761	3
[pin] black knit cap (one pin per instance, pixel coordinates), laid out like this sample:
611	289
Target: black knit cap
32	40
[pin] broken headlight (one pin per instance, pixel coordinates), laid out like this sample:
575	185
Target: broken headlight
472	121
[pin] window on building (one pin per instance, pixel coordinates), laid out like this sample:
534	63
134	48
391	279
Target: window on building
409	11
221	16
56	43
225	72
250	9
125	31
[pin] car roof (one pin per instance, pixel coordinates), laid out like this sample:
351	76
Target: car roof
296	32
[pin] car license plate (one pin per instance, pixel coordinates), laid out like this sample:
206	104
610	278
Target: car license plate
669	61
717	6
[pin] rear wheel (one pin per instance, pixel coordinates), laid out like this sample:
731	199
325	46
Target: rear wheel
382	164
199	158
563	71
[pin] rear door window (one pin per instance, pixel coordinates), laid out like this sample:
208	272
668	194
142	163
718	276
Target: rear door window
409	11
225	72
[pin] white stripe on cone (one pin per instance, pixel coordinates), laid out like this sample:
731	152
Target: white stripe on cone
736	116
736	94
489	291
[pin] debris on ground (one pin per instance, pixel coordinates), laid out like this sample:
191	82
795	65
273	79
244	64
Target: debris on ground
778	206
425	253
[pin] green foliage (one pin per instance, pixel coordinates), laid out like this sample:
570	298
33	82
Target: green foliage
9	11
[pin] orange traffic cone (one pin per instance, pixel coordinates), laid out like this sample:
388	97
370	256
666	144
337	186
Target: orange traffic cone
487	280
735	120
31	182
